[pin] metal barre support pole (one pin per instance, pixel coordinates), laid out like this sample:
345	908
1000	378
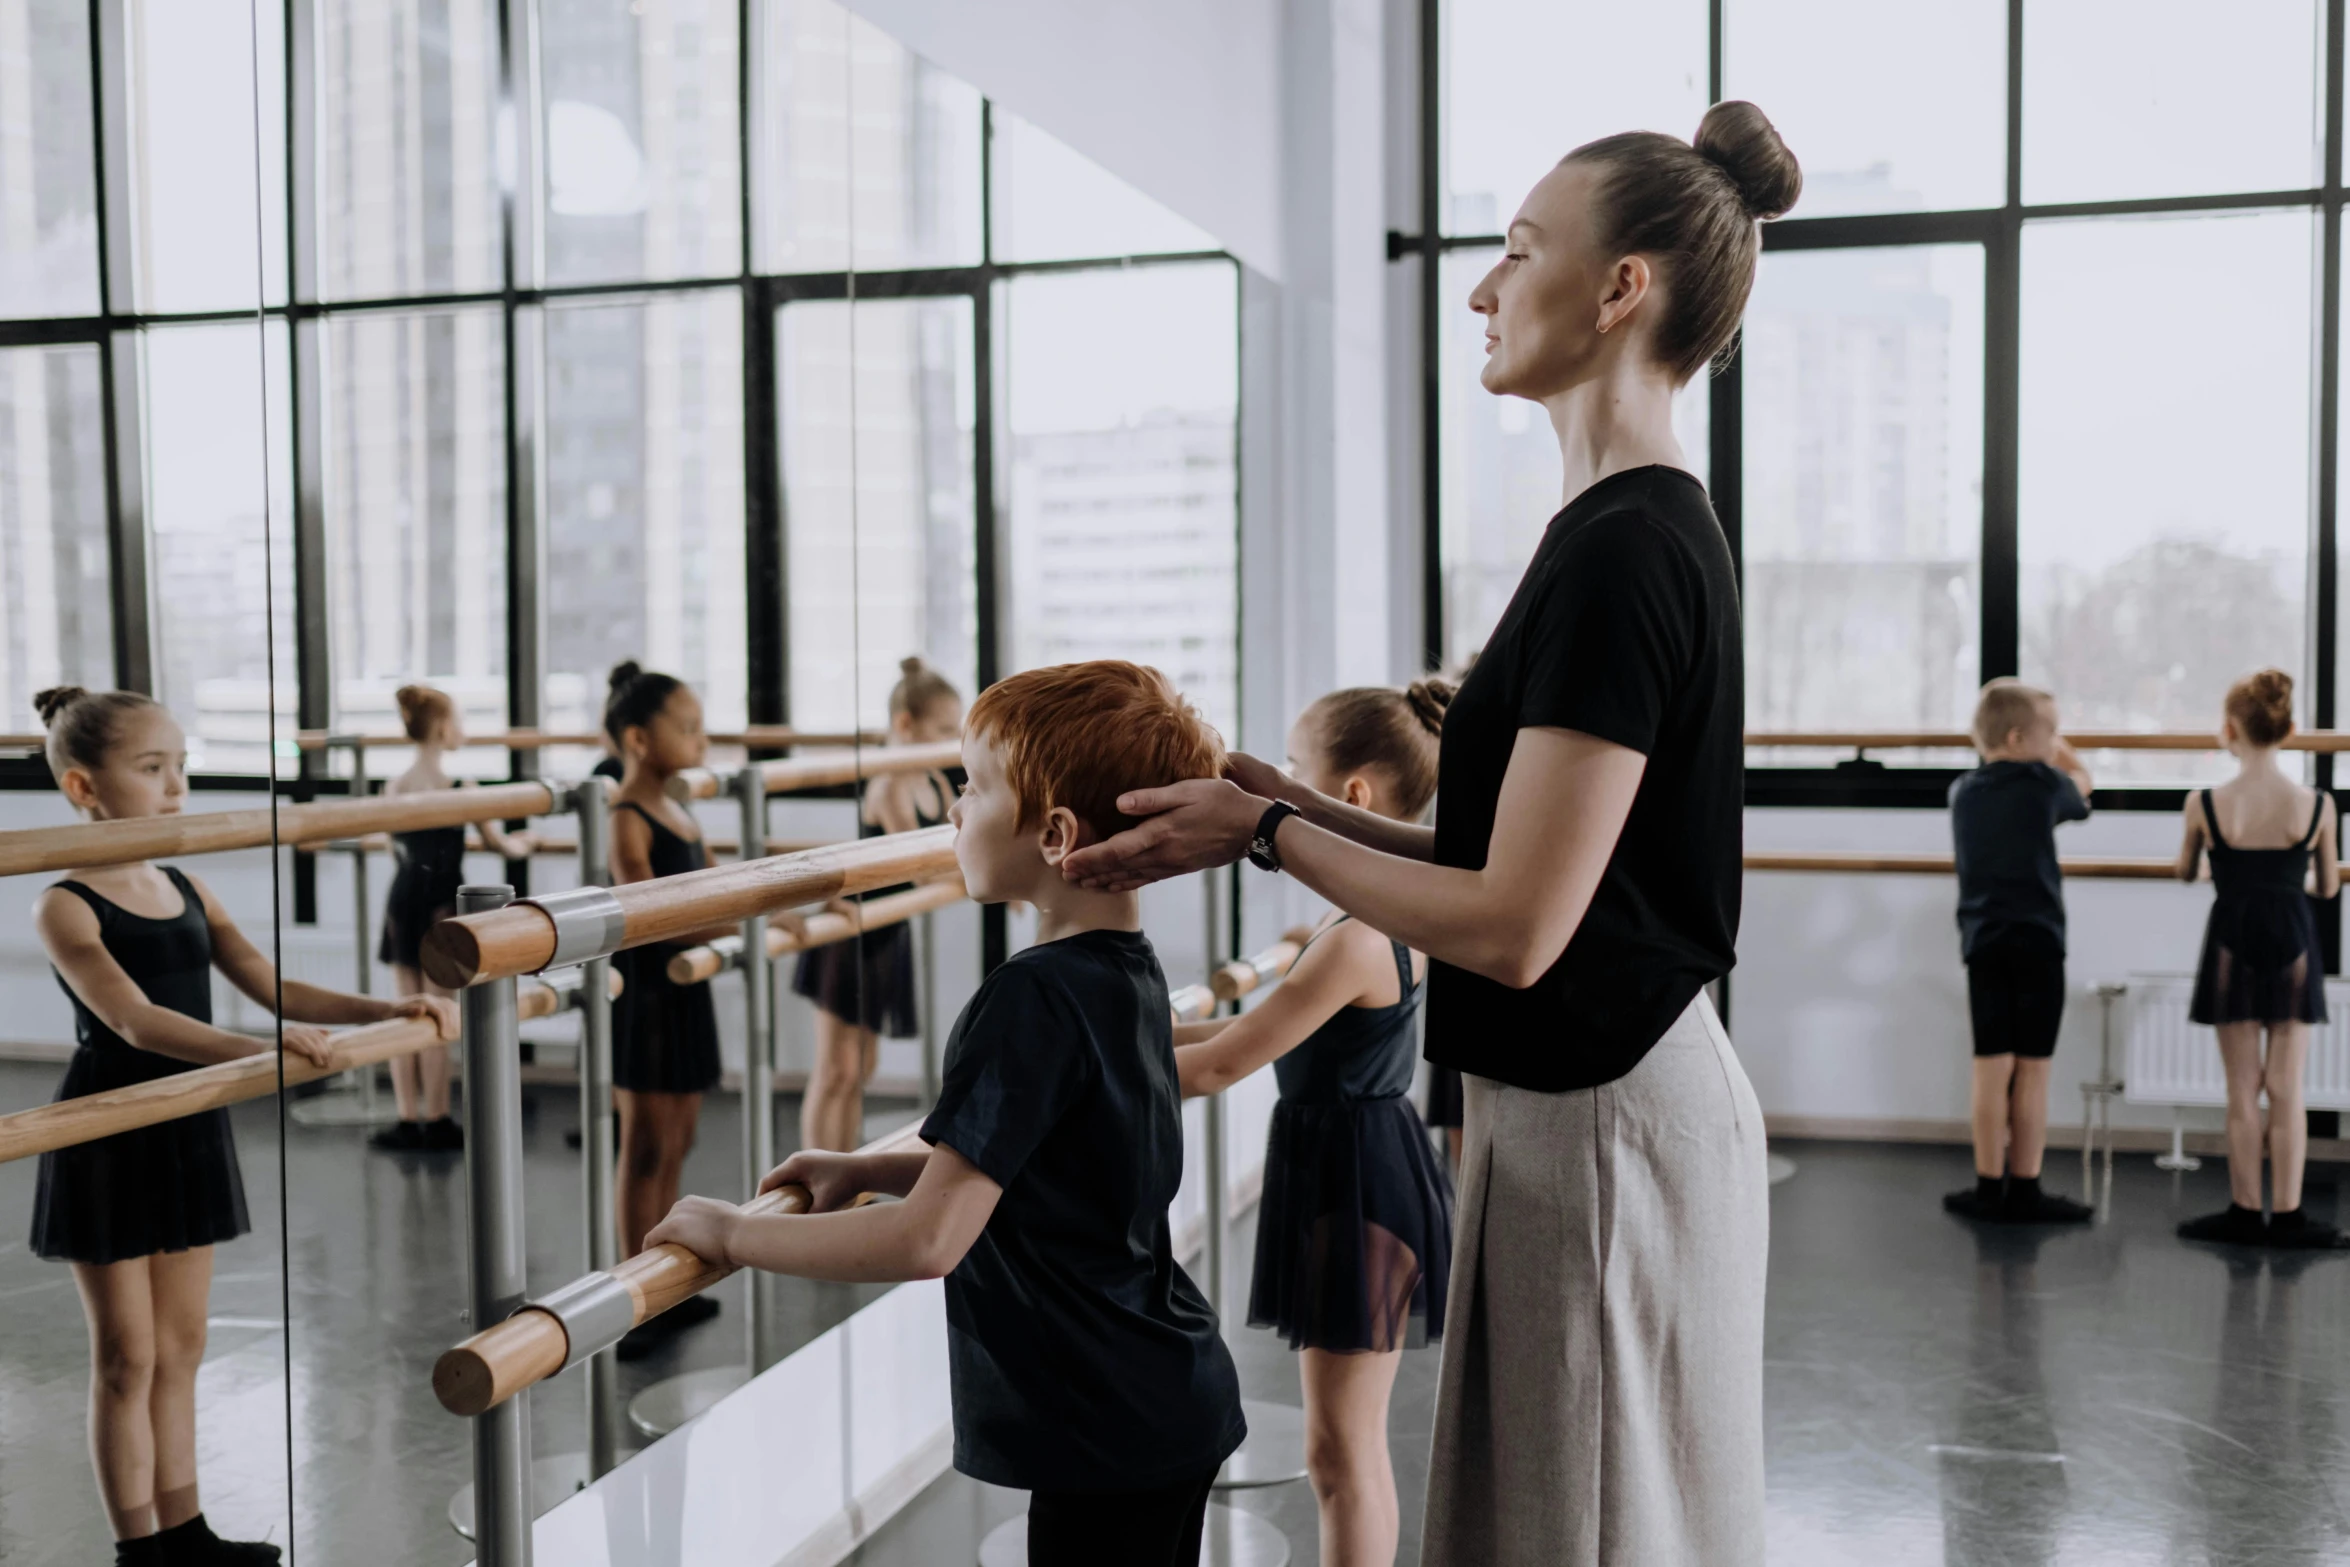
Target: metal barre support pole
353	1099
494	1245
750	792
1212	1123
591	804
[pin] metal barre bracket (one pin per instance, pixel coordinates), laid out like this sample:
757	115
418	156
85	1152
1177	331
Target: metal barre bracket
589	923
595	1310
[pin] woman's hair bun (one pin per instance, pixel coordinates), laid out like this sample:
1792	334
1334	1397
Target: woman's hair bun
2262	706
1430	699
624	672
52	703
1741	139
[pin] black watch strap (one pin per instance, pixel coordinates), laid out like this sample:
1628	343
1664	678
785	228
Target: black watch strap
1261	852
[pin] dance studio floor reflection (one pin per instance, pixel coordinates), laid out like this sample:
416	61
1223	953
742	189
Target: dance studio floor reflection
1935	1394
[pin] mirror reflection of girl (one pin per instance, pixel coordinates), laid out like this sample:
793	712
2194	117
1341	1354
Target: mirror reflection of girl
138	1213
429	867
2263	970
1354	1231
864	988
664	1035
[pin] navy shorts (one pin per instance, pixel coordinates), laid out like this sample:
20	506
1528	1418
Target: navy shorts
2015	995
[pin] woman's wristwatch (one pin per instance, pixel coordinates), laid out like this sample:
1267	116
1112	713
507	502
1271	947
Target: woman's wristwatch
1261	852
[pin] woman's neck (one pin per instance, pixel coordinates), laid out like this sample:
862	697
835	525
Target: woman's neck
1619	420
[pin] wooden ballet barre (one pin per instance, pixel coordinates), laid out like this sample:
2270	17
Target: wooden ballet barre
381	843
82	845
822	772
697	964
521	938
46	1128
2083	740
537	1341
1943	865
757	737
1242	975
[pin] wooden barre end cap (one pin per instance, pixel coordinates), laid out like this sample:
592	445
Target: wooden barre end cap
495	1364
452	955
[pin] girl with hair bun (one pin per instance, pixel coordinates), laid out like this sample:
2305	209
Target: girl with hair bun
664	1035
1354	1231
428	868
864	989
2263	969
1601	1394
138	1213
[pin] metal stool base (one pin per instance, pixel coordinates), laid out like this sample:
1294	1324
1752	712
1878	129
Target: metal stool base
663	1407
1781	1167
552	1479
1275	1452
1232	1538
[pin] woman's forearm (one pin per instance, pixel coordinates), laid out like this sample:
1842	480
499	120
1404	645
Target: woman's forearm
304	1003
1404	840
164	1032
1451	914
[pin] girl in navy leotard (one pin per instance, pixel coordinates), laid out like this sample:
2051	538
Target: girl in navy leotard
664	1035
138	1213
428	868
1354	1232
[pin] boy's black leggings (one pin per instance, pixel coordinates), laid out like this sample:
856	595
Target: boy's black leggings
1143	1528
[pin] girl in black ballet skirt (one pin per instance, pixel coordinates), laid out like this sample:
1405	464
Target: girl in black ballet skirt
2263	971
137	1214
1354	1231
664	1035
428	868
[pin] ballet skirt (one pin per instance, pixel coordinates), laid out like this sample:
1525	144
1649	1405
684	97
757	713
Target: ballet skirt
867	980
664	1035
167	1187
428	868
2261	959
1354	1230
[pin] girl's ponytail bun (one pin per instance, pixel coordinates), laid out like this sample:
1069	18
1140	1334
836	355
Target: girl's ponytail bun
52	703
2262	706
1430	700
623	673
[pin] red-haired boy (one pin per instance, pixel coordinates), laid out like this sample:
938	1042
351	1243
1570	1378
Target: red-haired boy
1086	1367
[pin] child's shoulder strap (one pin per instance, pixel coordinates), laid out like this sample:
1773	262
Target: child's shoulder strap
2211	819
2317	817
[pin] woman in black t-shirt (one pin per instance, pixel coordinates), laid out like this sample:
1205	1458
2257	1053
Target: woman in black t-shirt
1602	1386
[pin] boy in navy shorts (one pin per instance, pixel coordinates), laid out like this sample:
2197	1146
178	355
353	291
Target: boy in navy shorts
1086	1367
2003	820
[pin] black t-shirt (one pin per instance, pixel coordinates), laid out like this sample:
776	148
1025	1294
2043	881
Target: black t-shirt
1082	1358
2003	819
1625	627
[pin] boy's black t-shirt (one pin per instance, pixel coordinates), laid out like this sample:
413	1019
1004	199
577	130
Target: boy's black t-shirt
1624	627
1082	1358
2003	819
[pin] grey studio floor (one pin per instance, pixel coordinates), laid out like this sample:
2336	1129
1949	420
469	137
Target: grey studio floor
1934	1393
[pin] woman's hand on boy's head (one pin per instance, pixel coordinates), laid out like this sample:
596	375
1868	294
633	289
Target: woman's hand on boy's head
703	1226
439	1010
1260	778
1198	824
833	1180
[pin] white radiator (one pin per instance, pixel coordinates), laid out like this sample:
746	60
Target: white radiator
2175	1062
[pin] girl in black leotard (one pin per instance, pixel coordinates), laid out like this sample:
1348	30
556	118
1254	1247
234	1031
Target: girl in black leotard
2263	971
428	868
1354	1232
664	1036
863	989
138	1213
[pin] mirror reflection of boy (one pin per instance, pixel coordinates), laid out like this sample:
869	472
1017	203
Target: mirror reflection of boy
2003	821
1087	1367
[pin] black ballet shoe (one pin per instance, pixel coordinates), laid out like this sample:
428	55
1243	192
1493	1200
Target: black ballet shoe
2235	1227
574	1138
2027	1204
444	1136
193	1544
690	1312
2294	1230
399	1137
1979	1201
145	1551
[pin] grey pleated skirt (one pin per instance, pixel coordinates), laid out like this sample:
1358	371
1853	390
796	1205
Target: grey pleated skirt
1601	1394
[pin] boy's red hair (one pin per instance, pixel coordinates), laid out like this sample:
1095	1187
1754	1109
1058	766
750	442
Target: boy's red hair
1080	735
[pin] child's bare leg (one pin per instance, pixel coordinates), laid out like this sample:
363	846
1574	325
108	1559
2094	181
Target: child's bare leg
181	1283
420	1082
832	1112
640	1166
2239	1051
1346	1454
1993	1076
2027	1117
2288	1116
118	1301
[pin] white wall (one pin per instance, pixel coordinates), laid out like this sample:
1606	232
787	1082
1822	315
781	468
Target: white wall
1183	102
